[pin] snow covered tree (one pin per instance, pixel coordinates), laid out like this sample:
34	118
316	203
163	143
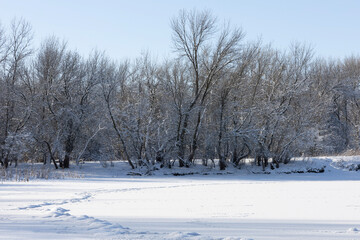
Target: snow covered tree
15	98
66	109
193	34
219	98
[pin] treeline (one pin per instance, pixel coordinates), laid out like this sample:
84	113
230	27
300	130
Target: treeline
221	97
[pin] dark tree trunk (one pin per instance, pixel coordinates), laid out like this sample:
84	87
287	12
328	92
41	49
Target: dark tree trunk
194	144
234	158
222	163
159	157
276	161
66	162
258	160
6	162
266	161
44	158
51	154
205	162
181	152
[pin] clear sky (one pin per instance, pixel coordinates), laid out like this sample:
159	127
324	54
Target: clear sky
123	29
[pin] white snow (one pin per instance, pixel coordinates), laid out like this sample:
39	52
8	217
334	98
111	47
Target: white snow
93	202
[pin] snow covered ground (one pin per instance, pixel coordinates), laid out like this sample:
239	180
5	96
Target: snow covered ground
93	202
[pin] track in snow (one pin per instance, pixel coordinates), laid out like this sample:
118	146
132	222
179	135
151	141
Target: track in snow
180	208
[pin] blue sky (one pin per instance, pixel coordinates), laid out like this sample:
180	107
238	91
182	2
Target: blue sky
123	29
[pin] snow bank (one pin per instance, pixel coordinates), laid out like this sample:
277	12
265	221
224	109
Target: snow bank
329	167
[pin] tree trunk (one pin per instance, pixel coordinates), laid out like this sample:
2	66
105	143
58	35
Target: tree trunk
195	138
119	135
66	162
222	163
51	154
6	162
181	151
222	160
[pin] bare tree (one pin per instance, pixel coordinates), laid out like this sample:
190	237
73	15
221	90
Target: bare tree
192	36
113	86
15	101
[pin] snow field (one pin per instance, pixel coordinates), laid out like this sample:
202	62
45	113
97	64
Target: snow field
269	206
